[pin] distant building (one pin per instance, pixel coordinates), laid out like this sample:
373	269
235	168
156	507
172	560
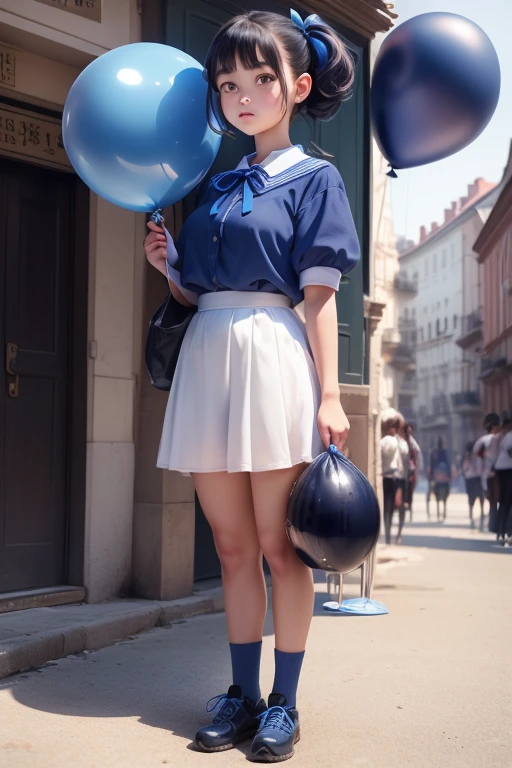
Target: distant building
440	319
494	249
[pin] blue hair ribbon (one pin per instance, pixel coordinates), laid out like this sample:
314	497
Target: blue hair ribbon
322	53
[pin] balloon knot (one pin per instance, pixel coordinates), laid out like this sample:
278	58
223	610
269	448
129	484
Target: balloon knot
157	217
392	173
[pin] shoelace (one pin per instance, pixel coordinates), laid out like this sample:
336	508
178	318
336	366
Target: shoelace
278	718
227	709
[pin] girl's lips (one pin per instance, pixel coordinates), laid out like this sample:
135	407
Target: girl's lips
246	114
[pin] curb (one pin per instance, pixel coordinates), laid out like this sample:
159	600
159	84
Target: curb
26	652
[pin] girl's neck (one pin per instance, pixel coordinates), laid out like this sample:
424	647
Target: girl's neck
268	142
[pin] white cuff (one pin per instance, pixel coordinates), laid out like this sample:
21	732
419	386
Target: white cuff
328	276
172	253
175	276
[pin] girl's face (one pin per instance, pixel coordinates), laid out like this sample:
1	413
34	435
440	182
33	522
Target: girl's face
252	99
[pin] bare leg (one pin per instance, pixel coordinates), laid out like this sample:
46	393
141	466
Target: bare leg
292	582
226	500
401	521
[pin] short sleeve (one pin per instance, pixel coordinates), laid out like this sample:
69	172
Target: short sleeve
325	242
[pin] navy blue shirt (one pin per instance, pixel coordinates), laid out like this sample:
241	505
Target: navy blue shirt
272	227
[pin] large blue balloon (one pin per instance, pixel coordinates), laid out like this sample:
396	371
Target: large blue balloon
333	516
435	86
135	128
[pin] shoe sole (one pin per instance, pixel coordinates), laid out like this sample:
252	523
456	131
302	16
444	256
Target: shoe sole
265	754
223	747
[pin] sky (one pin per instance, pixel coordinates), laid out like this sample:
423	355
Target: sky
420	195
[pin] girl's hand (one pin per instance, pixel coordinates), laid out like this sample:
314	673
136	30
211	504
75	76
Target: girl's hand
333	424
155	246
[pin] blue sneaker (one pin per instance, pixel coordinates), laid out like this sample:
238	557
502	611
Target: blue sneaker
237	720
278	732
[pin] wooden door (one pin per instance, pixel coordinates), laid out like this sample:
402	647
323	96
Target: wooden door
36	258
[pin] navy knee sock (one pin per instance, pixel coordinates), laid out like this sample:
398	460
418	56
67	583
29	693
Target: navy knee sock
245	660
287	674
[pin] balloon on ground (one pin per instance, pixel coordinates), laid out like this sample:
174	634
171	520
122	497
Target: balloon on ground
135	127
435	86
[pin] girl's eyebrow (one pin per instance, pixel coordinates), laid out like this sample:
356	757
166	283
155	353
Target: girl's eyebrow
229	71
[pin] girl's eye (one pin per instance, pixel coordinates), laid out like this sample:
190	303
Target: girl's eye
228	87
267	78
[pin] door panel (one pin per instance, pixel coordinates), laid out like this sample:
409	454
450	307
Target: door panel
35	262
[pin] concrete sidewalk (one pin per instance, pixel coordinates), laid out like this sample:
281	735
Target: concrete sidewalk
33	637
427	686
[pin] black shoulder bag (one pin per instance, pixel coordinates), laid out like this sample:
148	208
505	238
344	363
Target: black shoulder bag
167	329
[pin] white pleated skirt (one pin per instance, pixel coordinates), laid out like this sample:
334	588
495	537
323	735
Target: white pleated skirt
245	394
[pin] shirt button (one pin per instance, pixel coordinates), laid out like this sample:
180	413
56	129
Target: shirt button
215	238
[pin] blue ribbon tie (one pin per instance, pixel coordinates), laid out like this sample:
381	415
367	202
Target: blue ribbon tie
253	180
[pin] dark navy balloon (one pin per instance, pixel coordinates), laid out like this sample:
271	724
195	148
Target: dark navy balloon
333	515
435	86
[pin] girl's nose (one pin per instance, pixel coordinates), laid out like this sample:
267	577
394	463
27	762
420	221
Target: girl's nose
245	100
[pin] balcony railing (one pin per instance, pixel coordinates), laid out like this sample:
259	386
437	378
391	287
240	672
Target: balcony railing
471	329
468	398
494	367
410	383
405	285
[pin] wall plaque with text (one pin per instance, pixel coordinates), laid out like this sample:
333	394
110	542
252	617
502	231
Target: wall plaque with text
7	67
88	9
28	136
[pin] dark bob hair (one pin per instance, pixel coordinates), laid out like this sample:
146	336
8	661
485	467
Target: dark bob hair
248	33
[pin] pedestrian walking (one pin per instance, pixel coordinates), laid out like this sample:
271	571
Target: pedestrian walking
394	457
503	469
485	448
415	465
440	474
472	473
255	395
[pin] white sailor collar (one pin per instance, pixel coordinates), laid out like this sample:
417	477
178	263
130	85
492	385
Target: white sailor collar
279	167
277	161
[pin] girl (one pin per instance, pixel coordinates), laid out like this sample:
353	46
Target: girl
255	395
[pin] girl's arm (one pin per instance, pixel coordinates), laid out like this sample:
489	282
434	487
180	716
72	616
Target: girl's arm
322	330
155	246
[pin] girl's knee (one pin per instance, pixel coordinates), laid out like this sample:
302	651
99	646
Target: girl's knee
235	554
280	555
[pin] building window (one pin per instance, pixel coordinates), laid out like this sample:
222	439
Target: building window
455	321
421	334
434	264
445	324
430	330
426	266
414	311
438	327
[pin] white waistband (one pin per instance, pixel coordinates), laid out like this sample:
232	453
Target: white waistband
238	299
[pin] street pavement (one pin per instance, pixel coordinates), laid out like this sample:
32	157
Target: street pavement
427	685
